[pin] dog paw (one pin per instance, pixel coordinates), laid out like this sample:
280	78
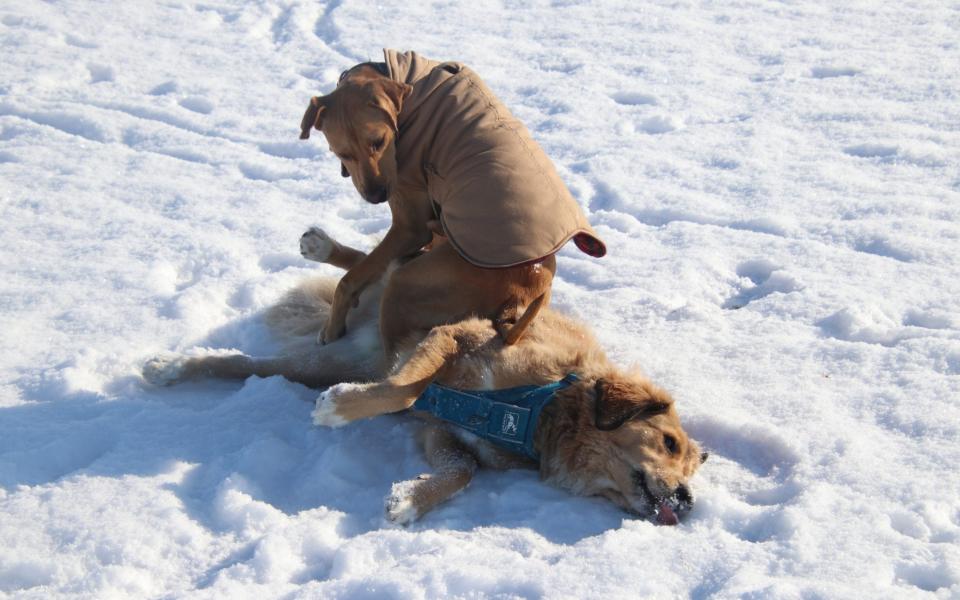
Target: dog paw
316	245
164	369
325	412
331	332
399	506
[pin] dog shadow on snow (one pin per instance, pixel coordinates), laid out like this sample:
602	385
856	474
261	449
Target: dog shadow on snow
208	438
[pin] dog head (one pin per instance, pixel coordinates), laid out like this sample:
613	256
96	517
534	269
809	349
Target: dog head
360	121
628	447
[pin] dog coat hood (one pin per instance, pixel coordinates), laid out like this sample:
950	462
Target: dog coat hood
498	195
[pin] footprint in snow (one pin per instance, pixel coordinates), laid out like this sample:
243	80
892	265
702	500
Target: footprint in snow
197	104
77	42
760	451
634	98
771	60
872	151
884	247
831	72
561	66
724	164
99	73
929	574
278	261
260	172
290	149
930	320
874	325
661	124
766	278
167	87
909	524
751	468
653	125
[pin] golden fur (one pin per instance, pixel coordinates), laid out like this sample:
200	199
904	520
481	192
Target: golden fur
612	433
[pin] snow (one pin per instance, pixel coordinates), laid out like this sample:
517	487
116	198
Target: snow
778	186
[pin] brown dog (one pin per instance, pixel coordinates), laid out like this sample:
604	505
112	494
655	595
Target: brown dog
434	143
612	433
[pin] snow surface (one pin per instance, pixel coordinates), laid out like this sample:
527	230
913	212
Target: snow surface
777	183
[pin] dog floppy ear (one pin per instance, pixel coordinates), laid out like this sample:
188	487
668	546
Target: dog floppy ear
615	404
313	117
395	93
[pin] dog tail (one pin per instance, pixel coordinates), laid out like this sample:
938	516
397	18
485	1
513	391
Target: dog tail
513	335
303	310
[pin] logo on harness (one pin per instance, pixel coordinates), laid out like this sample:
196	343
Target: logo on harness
510	422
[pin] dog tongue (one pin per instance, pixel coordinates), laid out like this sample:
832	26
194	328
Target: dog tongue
665	515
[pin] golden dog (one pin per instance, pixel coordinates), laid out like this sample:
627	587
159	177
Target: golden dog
611	433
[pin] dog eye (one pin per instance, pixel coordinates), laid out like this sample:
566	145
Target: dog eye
671	443
377	146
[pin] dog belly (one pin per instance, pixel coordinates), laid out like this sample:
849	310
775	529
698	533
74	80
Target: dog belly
488	455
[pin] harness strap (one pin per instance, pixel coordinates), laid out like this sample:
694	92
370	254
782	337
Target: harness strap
507	418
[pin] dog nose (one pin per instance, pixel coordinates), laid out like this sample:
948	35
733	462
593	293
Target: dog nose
682	499
377	195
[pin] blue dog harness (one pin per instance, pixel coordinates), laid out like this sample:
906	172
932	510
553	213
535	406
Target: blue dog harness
507	418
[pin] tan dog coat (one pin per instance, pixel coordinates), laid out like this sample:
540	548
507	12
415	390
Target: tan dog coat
498	196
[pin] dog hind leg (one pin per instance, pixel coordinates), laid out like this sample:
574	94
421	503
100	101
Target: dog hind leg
319	366
441	287
169	370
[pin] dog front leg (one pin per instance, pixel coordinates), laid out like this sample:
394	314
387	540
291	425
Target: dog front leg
316	245
398	242
347	402
454	468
